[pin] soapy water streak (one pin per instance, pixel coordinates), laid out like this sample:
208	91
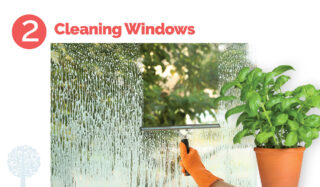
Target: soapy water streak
96	140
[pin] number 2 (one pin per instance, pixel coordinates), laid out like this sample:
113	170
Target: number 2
35	27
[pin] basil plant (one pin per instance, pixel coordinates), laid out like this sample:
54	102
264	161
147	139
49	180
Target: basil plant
275	118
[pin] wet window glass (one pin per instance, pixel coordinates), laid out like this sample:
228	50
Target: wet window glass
102	94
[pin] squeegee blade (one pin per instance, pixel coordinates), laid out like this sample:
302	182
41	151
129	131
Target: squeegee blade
180	127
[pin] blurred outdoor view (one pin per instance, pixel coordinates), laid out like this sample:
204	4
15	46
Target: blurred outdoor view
181	80
101	94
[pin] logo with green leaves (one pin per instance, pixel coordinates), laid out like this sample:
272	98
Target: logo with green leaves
275	118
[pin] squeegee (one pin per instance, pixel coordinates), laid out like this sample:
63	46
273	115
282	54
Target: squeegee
181	127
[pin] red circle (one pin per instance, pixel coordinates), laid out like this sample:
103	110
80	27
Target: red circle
29	31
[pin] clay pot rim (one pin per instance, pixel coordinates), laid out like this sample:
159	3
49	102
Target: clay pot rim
272	150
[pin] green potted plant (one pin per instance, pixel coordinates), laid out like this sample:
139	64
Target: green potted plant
278	120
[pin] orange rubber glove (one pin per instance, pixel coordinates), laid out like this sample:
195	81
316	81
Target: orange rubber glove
192	163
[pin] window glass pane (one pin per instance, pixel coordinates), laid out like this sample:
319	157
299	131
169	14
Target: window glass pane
97	109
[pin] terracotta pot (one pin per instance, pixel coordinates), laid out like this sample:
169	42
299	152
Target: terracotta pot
279	167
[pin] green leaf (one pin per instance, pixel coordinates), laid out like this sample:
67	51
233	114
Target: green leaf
243	74
281	119
235	110
293	113
271	129
241	118
286	103
281	69
256	72
292	139
253	103
258	79
312	121
264	114
267	128
244	92
227	86
263	137
224	98
293	125
305	133
313	101
308	143
300	117
281	81
288	93
269	77
237	138
251	125
305	91
254	125
273	101
315	133
251	113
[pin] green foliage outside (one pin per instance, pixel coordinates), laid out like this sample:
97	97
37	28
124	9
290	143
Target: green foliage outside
197	66
275	118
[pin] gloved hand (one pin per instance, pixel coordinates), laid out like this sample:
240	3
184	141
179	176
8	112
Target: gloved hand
192	163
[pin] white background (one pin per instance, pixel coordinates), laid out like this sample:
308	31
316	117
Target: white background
279	32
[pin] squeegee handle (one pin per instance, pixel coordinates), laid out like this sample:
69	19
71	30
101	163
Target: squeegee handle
186	142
